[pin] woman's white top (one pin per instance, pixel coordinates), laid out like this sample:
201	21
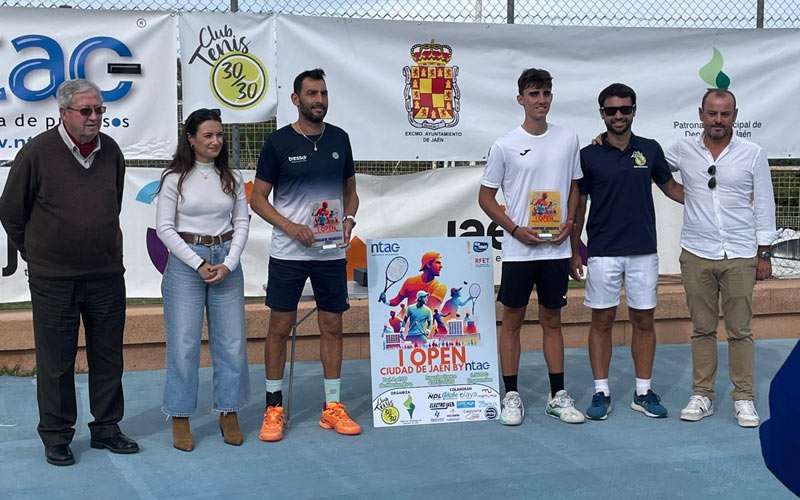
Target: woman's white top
202	208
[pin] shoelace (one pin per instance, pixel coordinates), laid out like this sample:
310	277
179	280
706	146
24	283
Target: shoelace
513	402
338	411
652	397
565	402
599	398
696	403
746	407
273	416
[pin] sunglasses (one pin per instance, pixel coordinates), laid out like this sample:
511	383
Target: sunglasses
712	171
87	111
612	110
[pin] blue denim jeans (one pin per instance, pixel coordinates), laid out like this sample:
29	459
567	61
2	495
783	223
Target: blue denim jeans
186	298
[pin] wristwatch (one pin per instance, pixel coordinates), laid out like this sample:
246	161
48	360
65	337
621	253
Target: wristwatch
765	255
351	218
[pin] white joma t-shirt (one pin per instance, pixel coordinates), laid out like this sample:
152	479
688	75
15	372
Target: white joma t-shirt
520	163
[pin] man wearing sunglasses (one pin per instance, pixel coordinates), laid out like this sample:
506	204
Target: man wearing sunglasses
728	227
60	208
618	173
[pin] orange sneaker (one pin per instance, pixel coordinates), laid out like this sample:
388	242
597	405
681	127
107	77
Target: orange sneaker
272	427
335	417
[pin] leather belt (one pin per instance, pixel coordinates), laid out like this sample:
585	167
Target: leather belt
205	239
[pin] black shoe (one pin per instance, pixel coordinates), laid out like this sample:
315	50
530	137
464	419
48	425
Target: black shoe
59	454
119	443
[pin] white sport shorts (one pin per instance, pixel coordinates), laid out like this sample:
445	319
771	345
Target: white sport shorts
605	276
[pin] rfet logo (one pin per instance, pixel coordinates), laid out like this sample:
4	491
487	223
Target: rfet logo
156	250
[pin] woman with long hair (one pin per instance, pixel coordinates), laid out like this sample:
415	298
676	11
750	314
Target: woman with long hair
203	220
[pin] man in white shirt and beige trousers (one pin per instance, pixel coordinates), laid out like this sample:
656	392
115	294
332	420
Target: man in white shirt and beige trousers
728	227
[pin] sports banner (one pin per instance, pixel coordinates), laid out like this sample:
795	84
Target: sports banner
446	91
433	343
129	55
441	203
228	62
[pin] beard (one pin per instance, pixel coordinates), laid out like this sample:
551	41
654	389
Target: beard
308	113
611	130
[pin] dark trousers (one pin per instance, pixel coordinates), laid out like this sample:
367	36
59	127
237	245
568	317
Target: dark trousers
58	307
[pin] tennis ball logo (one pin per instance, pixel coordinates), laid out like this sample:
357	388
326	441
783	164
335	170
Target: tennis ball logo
390	415
239	80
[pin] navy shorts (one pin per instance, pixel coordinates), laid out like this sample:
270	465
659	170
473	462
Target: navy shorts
550	277
287	278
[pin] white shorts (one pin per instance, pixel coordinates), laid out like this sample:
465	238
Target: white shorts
606	274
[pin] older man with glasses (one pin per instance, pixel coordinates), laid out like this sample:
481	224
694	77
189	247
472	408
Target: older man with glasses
728	226
60	207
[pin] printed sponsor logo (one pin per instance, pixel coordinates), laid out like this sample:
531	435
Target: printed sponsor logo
491	413
465	404
441	405
298	159
480	246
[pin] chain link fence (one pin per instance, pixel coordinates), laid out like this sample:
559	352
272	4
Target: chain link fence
623	13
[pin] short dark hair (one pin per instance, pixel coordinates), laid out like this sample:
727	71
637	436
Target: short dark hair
717	92
314	74
534	77
616	90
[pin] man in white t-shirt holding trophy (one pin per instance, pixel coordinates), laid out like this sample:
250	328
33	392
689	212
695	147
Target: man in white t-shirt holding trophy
537	165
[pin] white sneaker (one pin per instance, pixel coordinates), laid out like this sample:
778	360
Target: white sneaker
513	411
562	407
746	413
698	408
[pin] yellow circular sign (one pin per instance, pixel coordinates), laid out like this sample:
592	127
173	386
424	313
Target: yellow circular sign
239	80
390	415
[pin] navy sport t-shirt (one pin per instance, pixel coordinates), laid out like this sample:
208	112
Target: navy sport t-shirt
300	177
622	218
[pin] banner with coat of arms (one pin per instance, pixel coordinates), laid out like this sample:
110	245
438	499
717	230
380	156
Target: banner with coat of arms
228	62
446	91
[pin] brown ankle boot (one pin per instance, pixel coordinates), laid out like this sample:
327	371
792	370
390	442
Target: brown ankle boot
229	426
182	434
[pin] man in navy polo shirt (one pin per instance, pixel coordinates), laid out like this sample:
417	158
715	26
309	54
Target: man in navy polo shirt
617	176
303	165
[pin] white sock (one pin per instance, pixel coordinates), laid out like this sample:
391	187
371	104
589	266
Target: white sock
274	385
642	386
601	385
333	386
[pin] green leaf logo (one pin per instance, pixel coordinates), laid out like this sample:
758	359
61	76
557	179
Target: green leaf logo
712	72
409	404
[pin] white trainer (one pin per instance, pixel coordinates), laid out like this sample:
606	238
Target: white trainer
513	411
746	413
562	407
698	408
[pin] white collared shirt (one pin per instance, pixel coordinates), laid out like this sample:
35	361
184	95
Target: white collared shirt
76	152
738	215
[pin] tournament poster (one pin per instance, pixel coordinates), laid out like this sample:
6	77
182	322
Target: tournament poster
433	337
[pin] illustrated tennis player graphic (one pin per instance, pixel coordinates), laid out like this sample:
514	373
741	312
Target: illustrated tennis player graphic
430	269
420	320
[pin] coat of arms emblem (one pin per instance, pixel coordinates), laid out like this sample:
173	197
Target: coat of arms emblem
431	94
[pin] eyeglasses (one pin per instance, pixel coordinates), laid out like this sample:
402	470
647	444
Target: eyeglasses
87	111
712	171
612	110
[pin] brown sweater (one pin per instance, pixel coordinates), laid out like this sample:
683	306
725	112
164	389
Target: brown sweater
62	217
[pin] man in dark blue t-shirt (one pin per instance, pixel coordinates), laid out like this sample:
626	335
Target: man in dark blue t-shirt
308	168
617	176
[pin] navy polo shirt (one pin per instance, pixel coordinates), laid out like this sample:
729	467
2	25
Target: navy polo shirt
622	219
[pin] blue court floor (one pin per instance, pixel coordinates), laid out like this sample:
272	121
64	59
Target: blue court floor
627	456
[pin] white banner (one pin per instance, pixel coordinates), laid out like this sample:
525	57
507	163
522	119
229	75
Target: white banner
228	62
435	203
432	330
130	55
402	96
